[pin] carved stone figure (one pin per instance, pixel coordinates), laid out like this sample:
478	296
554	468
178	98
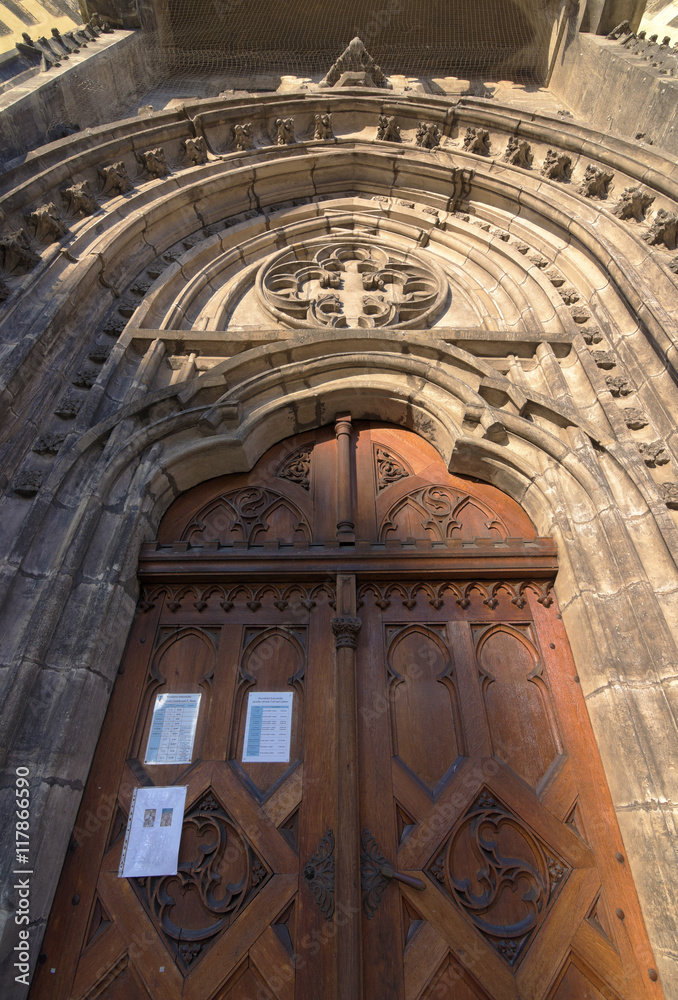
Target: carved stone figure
79	43
51	49
196	150
79	199
355	59
592	335
635	418
153	162
28	483
101	24
68	407
285	131
243	136
622	29
654	454
632	204
604	359
28	49
115	179
596	182
86	375
663	229
67	42
669	492
388	130
618	385
518	152
323	127
557	166
49	444
16	253
569	295
477	140
46	223
428	135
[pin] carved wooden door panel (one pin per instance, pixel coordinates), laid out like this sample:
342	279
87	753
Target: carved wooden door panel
480	781
227	925
446	740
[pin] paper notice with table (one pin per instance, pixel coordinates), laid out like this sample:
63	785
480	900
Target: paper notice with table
175	717
268	727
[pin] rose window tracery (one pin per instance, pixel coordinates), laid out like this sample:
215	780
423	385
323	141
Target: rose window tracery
352	283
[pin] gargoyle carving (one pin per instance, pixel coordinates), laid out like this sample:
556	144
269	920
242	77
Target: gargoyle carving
428	135
388	129
477	140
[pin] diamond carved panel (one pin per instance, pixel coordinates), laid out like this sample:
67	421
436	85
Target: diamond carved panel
502	877
218	875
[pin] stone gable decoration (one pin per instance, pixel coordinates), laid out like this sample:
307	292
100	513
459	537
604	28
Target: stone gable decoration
355	67
350	282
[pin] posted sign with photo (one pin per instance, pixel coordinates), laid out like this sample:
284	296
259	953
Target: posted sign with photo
153	832
268	728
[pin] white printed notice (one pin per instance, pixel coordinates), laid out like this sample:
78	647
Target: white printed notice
268	727
175	717
153	832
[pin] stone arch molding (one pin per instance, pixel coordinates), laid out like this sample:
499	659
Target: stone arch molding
548	371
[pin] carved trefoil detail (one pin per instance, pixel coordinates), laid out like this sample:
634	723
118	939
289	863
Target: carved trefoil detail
390	468
502	877
297	468
190	909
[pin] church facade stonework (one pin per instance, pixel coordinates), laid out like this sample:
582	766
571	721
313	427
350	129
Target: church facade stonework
183	291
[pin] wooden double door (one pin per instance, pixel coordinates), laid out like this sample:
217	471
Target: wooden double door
442	827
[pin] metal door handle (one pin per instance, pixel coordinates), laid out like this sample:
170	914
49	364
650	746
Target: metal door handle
376	873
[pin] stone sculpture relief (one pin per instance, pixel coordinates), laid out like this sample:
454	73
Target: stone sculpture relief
654	454
635	418
114	179
153	162
46	223
323	127
557	166
285	131
355	66
663	230
632	204
16	253
596	182
618	385
349	282
243	136
388	129
195	150
79	199
428	135
477	140
519	153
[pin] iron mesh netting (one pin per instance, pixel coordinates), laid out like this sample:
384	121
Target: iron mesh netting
423	37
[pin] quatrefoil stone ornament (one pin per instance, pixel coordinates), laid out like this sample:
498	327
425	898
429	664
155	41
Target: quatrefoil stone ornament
352	282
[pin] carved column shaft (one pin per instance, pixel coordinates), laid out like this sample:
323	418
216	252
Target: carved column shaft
345	523
346	627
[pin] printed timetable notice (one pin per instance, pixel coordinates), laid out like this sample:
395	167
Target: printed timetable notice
175	717
268	727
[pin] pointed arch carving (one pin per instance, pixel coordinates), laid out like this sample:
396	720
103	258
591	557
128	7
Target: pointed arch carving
439	513
517	700
250	515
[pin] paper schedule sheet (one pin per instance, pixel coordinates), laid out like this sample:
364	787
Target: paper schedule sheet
268	727
175	717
